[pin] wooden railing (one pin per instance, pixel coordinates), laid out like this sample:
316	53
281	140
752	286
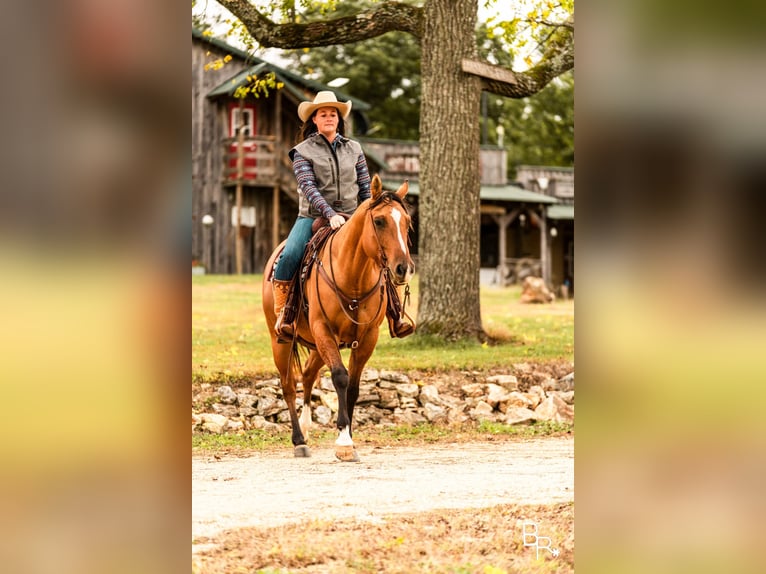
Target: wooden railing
259	161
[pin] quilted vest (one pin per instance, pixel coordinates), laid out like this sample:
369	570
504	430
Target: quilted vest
335	173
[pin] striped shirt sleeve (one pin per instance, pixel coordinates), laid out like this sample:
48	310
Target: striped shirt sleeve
362	178
304	173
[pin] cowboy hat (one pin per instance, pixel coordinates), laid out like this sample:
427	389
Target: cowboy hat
323	99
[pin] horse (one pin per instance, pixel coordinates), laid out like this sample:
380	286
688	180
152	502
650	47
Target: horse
346	293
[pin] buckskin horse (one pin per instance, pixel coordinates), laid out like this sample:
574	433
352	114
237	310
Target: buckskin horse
345	294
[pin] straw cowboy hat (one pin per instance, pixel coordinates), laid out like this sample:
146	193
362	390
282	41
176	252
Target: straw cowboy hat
323	99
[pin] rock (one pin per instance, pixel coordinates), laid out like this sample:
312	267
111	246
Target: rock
229	411
268	406
482	411
537	390
235	425
450	402
534	290
226	395
214	423
196	420
555	409
408	390
508	382
362	417
473	390
283	416
517	399
456	416
375	414
247	411
386	385
434	413
408	417
367	397
270	383
246	400
395	377
429	394
330	400
534	399
389	398
269	392
517	415
563	384
257	422
496	394
407	403
370	375
322	415
566	396
325	383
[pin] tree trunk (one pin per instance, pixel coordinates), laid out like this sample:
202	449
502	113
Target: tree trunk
449	174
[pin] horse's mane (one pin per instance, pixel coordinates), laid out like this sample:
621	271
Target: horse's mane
387	196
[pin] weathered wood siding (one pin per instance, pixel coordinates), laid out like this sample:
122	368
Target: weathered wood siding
208	127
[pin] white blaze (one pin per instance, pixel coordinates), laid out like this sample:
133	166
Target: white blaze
397	217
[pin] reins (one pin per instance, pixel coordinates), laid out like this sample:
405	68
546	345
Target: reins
343	299
384	284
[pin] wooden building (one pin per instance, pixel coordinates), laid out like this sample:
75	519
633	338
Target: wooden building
265	184
526	227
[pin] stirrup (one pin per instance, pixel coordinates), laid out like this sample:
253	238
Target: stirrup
402	329
285	332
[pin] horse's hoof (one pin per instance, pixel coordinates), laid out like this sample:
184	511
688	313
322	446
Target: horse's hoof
302	451
346	454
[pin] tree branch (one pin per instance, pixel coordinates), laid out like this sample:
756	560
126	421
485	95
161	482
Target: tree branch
557	59
387	17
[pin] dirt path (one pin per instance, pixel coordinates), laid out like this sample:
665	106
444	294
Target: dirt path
273	488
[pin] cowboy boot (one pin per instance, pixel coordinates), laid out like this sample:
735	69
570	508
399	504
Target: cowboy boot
399	329
281	289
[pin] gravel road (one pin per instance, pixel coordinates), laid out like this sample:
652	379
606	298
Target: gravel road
270	489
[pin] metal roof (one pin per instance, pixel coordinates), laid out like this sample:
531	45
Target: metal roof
293	82
560	211
489	192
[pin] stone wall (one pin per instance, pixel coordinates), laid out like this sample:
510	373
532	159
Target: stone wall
388	397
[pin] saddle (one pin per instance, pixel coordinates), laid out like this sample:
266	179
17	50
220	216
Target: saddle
322	233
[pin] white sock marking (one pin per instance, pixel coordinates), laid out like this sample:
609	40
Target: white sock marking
305	420
344	438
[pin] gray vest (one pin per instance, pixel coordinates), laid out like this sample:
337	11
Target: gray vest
335	173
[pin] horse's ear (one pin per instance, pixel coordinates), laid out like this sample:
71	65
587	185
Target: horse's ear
376	187
403	189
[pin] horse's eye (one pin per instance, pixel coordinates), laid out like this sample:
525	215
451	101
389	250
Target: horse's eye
380	222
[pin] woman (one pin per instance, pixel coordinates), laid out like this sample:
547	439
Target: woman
332	179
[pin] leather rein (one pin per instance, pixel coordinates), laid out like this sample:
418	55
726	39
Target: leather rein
352	302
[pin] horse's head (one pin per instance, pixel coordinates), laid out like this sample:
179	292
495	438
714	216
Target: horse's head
390	221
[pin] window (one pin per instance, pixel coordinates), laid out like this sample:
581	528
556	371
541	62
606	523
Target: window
248	120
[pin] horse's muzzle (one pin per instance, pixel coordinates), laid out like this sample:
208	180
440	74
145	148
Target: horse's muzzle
403	272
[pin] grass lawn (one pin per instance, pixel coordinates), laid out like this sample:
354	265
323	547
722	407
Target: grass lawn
230	340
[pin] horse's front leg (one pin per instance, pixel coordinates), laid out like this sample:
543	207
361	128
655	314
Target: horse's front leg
328	350
356	364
